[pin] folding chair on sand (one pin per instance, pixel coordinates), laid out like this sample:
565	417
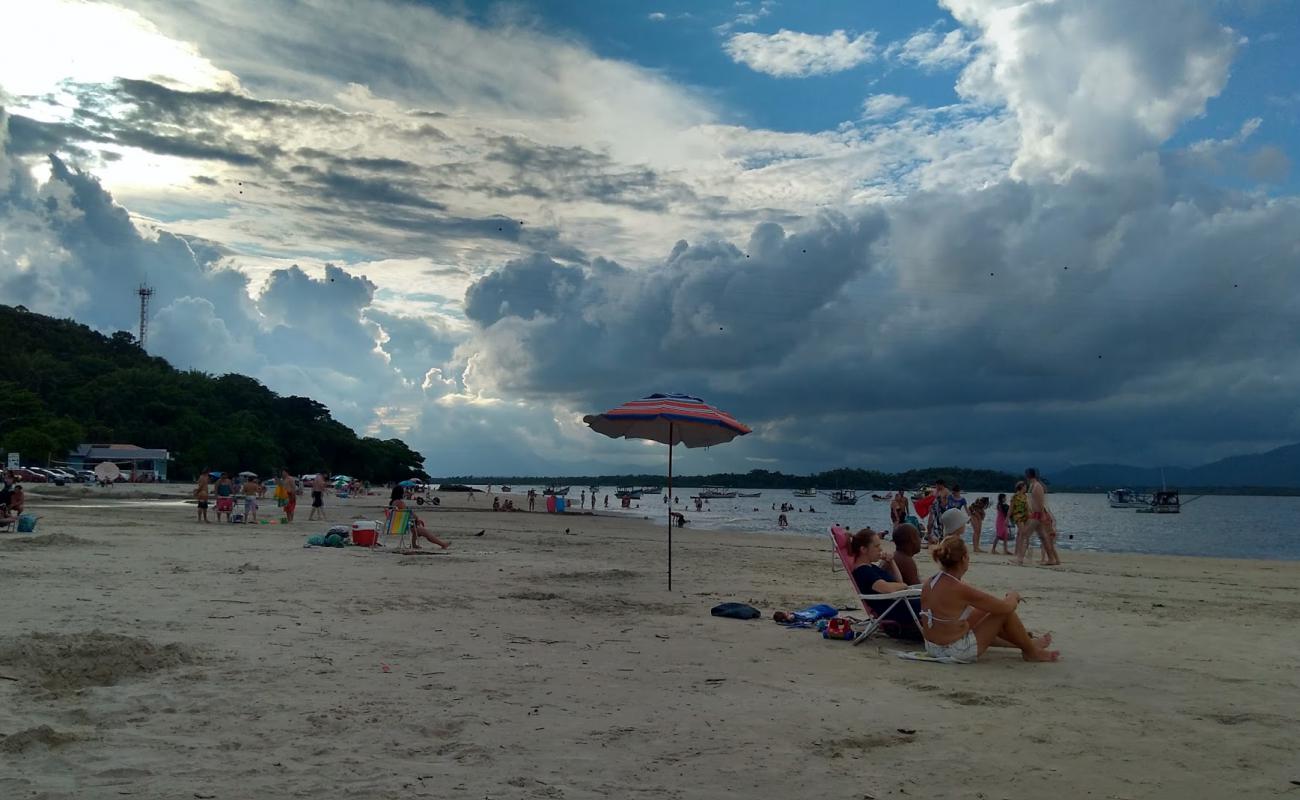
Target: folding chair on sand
875	622
399	522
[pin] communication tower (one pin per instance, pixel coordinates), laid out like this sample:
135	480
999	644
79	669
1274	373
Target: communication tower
145	291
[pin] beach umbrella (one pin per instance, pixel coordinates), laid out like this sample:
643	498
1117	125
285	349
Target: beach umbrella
409	482
671	419
107	471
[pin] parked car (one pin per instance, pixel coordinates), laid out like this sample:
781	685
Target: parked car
49	475
86	475
27	475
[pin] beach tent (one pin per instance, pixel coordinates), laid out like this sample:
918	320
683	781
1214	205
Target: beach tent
671	419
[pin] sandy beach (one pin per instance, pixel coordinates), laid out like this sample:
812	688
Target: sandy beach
144	655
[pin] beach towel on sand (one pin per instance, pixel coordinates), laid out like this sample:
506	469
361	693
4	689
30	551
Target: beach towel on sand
921	655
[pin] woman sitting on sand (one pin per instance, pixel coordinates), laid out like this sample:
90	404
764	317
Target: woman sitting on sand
961	622
418	529
877	573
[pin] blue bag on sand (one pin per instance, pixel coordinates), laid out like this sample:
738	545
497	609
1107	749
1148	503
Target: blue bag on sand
316	541
26	523
735	611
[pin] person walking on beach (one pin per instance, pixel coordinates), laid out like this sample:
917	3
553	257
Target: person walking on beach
1040	521
251	491
290	487
317	498
941	503
1001	534
977	512
532	499
898	508
201	494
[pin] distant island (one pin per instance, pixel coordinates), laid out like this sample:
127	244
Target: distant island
62	385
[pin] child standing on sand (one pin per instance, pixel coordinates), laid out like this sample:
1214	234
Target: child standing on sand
1002	533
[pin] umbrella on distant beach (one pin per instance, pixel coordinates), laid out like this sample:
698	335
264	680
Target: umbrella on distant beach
107	471
247	474
671	419
409	482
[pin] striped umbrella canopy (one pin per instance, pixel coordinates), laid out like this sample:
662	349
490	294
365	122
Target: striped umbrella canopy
671	419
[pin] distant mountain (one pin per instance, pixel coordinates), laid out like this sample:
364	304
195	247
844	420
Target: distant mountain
1277	468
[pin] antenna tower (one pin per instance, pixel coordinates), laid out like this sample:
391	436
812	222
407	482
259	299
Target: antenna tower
145	291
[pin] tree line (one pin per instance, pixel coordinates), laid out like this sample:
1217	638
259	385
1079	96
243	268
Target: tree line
63	384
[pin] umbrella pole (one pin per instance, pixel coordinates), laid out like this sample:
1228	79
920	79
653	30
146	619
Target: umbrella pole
670	506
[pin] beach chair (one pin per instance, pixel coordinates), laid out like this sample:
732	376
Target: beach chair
397	522
875	622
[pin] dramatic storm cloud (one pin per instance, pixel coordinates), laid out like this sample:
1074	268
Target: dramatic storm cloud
1039	231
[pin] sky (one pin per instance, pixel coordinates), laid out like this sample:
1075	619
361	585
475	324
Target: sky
885	235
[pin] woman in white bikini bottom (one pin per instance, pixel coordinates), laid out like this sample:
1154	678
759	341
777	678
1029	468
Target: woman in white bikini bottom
987	620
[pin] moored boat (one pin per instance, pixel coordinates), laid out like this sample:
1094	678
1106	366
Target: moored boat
844	497
812	492
1165	501
1127	498
558	491
716	493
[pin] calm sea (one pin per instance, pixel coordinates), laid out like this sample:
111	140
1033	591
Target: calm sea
1213	525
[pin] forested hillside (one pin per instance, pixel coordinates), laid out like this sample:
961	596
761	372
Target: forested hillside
62	384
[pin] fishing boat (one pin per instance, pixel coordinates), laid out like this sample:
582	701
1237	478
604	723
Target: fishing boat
1165	501
1127	498
558	491
505	489
716	493
651	490
844	497
749	494
805	492
629	493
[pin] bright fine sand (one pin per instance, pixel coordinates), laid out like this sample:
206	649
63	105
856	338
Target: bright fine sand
146	656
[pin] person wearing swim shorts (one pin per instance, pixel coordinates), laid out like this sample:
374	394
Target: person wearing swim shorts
960	622
317	498
250	491
201	495
290	494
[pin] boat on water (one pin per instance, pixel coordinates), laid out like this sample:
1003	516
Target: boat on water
844	497
1127	498
1165	501
749	494
558	491
805	492
716	493
651	490
881	498
505	489
629	493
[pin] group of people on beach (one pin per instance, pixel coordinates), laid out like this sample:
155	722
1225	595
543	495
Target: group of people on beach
1026	513
956	621
13	500
250	489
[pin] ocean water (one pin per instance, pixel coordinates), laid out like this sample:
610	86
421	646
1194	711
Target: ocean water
1214	525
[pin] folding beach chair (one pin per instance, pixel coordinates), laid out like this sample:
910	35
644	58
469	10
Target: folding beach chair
398	522
875	622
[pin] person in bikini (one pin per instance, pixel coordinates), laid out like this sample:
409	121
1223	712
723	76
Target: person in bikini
1040	521
960	622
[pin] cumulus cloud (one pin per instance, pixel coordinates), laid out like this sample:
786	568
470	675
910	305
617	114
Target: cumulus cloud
883	105
931	49
1093	85
791	54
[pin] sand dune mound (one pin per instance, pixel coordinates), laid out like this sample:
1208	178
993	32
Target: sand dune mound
30	737
65	662
52	540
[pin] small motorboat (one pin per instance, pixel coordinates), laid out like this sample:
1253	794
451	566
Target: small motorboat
844	497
